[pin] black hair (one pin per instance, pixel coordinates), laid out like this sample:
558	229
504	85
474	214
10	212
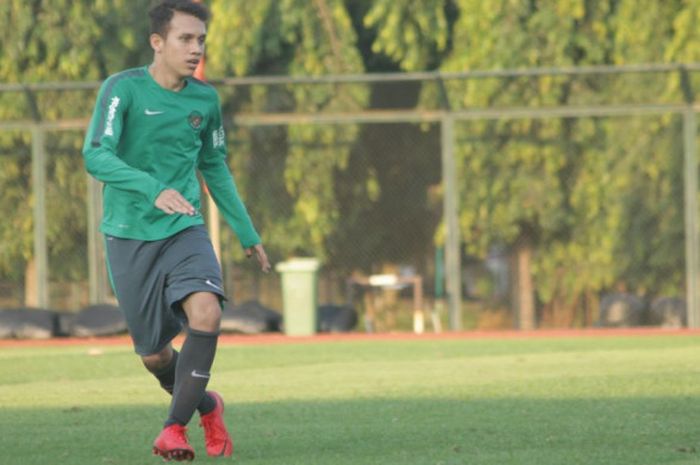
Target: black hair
162	13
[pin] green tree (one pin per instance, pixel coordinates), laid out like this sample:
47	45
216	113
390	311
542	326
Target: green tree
393	168
565	193
290	37
60	40
583	203
413	34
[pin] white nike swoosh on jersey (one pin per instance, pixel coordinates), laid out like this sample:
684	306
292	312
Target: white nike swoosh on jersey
213	285
152	112
200	375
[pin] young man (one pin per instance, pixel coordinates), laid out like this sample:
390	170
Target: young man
152	128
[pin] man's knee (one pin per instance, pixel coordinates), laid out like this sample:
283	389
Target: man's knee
157	362
203	311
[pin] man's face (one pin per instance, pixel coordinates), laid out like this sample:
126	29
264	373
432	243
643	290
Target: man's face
183	47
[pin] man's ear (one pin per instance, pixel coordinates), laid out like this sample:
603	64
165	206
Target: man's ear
156	42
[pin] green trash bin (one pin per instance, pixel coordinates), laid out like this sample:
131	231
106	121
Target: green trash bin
299	295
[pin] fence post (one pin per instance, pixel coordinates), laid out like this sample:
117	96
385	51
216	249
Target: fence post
453	274
691	215
39	194
690	191
97	287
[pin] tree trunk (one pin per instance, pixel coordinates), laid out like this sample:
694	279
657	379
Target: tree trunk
523	289
592	304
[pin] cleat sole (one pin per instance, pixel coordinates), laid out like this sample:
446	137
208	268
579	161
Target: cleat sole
178	455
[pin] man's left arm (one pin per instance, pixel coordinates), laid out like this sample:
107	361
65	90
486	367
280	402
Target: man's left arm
222	187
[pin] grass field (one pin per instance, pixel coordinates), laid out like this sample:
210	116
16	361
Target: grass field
609	400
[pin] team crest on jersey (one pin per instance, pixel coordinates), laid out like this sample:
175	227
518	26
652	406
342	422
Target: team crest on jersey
195	119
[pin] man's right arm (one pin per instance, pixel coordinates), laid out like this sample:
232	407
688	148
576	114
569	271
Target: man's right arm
103	135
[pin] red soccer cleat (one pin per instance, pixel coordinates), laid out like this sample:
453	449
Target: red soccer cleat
216	437
171	444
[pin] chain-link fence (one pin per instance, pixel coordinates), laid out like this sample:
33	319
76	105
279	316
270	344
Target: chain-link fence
380	216
524	198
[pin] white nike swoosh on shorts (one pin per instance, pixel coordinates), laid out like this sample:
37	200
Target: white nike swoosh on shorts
199	375
153	112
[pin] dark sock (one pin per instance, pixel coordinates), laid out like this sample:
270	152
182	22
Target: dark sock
166	376
167	381
192	375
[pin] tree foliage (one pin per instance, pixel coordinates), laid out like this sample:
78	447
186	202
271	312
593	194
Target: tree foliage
294	37
56	41
599	198
413	34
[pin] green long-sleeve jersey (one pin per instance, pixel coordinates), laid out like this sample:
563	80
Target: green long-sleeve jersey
143	139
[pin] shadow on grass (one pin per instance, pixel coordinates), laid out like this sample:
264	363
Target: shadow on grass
374	431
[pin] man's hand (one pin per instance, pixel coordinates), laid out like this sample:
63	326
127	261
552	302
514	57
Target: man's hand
171	201
260	254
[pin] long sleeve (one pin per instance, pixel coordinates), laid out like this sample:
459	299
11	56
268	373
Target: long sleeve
220	182
102	140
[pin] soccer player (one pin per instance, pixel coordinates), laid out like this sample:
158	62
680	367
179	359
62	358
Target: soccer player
152	128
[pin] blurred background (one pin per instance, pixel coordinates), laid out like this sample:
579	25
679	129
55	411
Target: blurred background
532	162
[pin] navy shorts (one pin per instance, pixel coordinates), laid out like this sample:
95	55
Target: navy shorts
151	279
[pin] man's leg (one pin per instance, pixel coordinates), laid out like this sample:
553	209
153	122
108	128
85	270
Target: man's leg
193	286
162	365
194	363
191	374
